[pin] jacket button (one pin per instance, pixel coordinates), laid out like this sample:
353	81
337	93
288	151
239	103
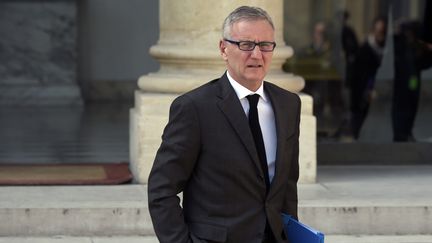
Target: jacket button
260	177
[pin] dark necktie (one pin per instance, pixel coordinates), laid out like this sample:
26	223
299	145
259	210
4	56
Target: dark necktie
257	135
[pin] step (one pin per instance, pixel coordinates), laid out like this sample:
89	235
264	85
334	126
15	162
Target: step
368	217
353	200
378	239
69	239
369	200
74	211
152	239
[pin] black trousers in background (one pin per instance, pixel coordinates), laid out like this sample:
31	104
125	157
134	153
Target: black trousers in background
404	108
406	88
359	106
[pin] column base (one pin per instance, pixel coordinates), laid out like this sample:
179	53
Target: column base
307	140
181	81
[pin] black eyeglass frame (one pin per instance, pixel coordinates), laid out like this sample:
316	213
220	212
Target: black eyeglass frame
259	44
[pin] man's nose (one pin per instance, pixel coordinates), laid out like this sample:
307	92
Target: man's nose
256	52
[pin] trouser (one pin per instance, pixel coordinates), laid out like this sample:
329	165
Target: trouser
404	109
360	102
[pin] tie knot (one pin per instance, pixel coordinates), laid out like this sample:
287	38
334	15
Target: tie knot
253	100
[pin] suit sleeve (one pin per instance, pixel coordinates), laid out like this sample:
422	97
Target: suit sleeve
291	199
173	165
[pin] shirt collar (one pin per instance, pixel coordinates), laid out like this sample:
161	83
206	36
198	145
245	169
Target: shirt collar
242	91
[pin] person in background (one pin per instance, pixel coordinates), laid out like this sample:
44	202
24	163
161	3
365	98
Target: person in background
367	61
413	53
320	50
350	48
320	44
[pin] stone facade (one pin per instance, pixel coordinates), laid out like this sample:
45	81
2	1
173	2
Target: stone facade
38	52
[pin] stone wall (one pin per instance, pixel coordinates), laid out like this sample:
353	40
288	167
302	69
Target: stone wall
38	52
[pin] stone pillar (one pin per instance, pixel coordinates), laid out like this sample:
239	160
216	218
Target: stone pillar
188	53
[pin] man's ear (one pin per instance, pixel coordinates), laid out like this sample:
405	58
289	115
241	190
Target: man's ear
222	49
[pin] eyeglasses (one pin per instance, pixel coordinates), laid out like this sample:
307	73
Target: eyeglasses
265	46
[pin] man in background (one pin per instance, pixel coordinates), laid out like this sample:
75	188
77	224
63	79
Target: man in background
366	64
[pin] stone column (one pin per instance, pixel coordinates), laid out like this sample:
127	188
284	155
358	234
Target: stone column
188	53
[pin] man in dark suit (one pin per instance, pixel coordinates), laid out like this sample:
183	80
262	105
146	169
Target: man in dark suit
412	54
366	64
231	146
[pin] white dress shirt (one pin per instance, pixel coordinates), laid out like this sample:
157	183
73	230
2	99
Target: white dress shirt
266	120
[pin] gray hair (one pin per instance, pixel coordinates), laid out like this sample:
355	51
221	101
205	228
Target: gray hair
244	13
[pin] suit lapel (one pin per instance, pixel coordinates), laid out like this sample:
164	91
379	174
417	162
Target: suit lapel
232	109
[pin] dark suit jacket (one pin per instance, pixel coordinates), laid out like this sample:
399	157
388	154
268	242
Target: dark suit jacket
208	153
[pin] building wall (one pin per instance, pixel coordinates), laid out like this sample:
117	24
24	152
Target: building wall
38	52
60	51
63	50
114	41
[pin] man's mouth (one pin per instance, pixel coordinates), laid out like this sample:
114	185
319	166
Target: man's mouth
254	66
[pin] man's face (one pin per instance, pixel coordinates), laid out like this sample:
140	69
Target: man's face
248	67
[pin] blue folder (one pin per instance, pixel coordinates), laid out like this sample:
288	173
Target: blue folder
300	233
